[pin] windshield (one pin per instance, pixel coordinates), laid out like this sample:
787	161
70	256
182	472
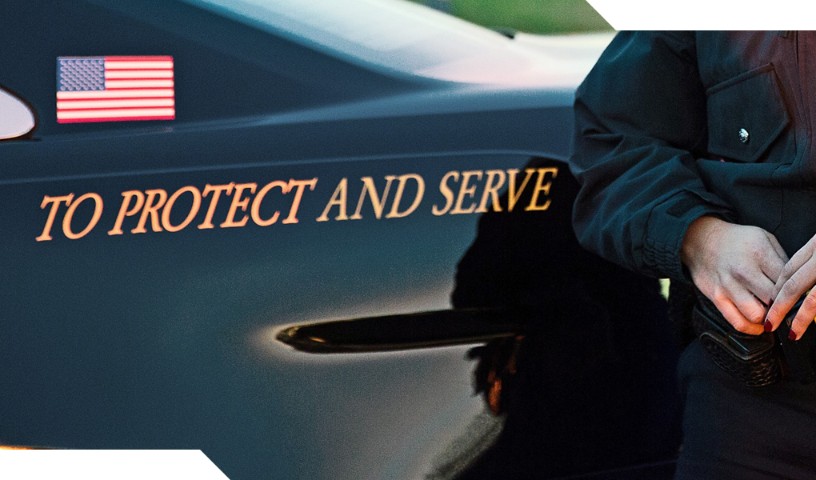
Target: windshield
393	34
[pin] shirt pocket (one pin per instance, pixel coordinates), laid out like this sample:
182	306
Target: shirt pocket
746	115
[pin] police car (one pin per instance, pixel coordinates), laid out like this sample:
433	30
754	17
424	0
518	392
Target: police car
313	239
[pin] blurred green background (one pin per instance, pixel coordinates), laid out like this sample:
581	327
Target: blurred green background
532	16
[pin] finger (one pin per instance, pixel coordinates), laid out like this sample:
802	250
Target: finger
762	290
749	307
790	292
804	317
795	264
734	316
772	264
780	307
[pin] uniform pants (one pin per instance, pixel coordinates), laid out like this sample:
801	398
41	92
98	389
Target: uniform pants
737	432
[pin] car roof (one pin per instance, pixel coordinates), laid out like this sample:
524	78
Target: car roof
405	38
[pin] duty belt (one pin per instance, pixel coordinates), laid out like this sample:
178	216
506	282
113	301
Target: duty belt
756	360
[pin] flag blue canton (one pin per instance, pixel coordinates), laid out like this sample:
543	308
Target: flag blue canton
81	74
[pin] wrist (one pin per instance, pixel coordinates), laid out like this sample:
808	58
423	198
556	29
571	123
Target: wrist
699	237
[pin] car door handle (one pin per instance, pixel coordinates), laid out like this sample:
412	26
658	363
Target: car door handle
429	329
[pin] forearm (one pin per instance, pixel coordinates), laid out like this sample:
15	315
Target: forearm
635	153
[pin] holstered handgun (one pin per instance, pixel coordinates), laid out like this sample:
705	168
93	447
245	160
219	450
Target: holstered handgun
755	360
752	359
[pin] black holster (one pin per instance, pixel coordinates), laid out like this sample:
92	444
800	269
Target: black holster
755	360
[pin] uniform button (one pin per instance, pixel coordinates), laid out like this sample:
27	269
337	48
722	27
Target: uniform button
744	136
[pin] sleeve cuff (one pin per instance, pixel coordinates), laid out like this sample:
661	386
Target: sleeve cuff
667	226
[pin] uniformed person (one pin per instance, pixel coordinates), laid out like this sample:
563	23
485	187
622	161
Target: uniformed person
695	153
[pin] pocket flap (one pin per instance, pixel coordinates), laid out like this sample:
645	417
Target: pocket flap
745	115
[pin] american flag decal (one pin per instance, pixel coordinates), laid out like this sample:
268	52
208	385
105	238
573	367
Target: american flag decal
115	89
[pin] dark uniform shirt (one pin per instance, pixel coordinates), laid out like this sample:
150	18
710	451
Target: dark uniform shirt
675	125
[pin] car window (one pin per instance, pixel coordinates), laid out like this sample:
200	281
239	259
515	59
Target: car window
16	118
370	31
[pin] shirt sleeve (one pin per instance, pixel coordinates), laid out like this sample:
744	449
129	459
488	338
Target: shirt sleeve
640	125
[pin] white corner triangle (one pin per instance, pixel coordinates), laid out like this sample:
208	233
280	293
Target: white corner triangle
706	14
108	464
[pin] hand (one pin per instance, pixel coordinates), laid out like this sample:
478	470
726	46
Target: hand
797	277
736	267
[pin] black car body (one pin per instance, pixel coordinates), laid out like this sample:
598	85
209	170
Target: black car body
319	161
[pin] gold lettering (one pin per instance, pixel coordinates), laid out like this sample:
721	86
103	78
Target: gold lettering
298	185
238	202
124	211
155	200
466	190
376	202
69	216
514	195
168	208
338	199
492	187
52	214
159	210
446	192
216	191
541	187
255	213
402	180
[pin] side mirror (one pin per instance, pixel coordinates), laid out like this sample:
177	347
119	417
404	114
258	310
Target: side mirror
16	118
